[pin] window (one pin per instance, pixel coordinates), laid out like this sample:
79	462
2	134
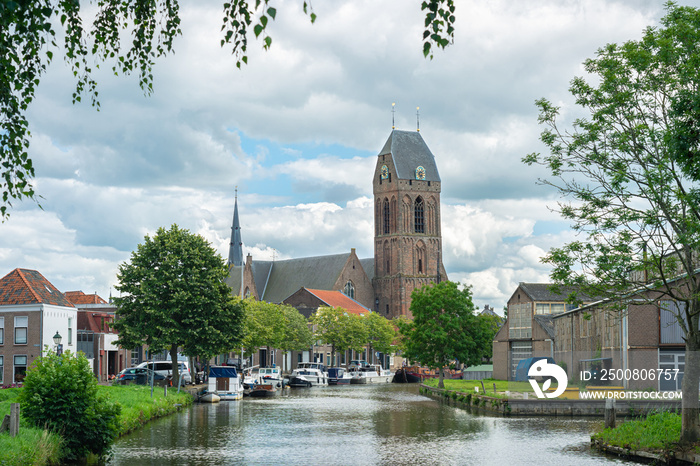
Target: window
86	343
136	355
20	368
21	324
349	290
2	369
387	216
70	330
2	333
520	317
419	225
671	331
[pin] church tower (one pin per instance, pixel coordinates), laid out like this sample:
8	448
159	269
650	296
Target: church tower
407	232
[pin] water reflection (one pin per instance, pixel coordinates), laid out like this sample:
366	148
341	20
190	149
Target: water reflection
373	424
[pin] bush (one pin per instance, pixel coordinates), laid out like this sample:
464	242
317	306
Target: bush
60	394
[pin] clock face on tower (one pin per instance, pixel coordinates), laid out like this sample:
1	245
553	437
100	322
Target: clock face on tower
420	173
385	172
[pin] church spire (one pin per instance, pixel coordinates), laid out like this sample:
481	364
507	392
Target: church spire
235	249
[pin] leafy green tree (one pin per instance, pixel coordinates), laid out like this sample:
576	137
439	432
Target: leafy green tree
380	333
341	330
444	328
265	325
60	394
173	295
28	41
297	334
491	324
630	169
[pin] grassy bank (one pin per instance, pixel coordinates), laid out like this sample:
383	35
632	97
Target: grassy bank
467	386
657	432
37	447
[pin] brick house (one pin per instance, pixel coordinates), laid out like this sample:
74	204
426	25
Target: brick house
645	336
528	331
32	311
97	337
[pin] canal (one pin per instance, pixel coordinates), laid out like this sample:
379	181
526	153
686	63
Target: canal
388	424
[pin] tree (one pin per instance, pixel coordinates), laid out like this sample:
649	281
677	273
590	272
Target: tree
60	394
380	333
265	325
336	327
444	328
630	169
28	41
174	295
491	325
297	335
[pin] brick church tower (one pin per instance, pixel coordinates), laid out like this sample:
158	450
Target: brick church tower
407	233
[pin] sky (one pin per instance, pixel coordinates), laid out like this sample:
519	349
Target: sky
298	130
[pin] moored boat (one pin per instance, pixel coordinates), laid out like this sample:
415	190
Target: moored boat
308	374
225	382
371	373
338	376
263	390
209	397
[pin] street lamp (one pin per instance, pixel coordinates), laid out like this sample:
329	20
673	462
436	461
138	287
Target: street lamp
57	341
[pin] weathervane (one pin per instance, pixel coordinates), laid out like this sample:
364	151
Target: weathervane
236	191
393	105
418	119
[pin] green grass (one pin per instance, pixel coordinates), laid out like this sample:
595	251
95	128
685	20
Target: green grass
660	431
467	386
35	446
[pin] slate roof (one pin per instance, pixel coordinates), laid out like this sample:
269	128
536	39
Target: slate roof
545	321
408	151
368	266
78	297
338	299
287	276
24	286
542	292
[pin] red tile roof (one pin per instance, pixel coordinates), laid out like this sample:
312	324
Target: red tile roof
338	299
24	286
78	297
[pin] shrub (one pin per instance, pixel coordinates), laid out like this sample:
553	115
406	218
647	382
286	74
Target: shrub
60	394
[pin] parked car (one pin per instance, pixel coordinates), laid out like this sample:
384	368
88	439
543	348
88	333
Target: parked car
165	368
138	376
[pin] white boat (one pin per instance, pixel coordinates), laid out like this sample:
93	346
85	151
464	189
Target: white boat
225	382
308	374
372	373
270	376
210	397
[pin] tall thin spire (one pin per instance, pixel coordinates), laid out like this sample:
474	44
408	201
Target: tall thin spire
393	107
235	248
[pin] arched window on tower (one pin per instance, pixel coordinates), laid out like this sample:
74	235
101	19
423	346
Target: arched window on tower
349	290
421	264
419	220
387	259
387	216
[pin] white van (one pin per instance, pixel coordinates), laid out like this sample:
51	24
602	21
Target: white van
165	368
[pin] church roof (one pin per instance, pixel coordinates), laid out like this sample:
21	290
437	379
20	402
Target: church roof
409	151
24	286
287	276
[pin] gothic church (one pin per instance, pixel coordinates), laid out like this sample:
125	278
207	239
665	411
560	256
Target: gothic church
407	242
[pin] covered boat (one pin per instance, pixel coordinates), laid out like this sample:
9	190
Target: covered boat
225	382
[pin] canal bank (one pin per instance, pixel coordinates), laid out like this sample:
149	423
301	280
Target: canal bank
519	406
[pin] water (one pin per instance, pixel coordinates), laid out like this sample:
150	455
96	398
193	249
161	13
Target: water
385	424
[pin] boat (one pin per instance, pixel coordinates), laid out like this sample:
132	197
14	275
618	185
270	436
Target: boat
263	390
371	373
271	375
308	374
209	397
416	374
339	376
225	382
